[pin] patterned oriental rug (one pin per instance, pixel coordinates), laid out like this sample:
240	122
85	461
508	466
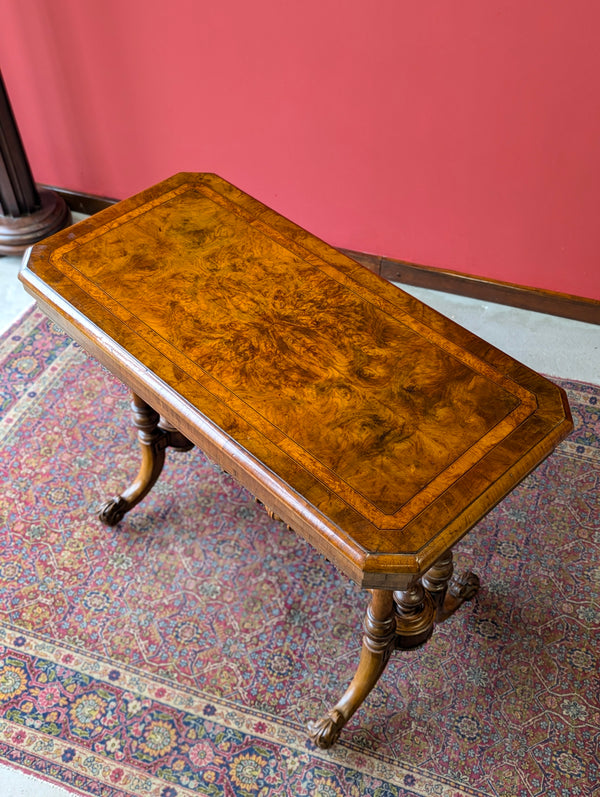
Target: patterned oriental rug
183	652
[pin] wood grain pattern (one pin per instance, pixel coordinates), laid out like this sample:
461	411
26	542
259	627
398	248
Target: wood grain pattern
369	423
540	300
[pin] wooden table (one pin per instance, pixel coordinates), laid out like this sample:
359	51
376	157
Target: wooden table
373	426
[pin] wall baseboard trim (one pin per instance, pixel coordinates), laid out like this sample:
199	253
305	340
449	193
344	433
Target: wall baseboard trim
82	203
578	308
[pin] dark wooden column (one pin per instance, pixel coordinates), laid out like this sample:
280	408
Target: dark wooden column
26	214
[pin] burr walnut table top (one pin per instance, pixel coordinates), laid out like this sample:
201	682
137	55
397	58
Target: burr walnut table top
371	424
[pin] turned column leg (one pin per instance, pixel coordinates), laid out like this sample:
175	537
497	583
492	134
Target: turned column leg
415	616
436	581
448	589
378	642
153	441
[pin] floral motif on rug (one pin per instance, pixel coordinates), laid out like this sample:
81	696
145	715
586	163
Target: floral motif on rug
183	652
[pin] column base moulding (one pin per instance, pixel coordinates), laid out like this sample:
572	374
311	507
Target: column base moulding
19	232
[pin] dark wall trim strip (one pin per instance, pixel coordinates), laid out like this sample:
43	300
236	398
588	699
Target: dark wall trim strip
82	203
578	308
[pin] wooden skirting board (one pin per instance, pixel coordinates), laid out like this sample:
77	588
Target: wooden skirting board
565	305
579	308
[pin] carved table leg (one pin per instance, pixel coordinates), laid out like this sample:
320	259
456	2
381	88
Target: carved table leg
153	440
378	642
403	619
449	590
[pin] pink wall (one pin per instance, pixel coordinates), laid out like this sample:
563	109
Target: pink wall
462	134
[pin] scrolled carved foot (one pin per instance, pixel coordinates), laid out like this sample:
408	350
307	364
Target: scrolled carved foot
325	732
113	511
462	587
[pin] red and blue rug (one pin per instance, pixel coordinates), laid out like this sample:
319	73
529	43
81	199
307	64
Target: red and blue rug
183	652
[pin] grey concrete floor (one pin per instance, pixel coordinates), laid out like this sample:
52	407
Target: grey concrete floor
551	345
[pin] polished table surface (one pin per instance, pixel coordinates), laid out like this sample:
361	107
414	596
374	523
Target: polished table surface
372	425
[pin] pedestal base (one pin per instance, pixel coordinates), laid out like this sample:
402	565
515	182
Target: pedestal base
19	232
404	620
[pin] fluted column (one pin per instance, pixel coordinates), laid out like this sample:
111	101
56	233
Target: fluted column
26	214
